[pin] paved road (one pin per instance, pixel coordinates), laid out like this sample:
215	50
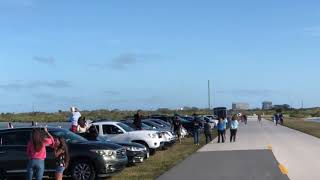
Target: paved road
250	158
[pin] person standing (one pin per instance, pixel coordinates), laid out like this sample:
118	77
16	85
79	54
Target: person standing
259	118
36	151
233	129
177	128
245	119
225	127
207	131
138	120
74	117
278	118
62	157
196	129
82	125
221	130
281	118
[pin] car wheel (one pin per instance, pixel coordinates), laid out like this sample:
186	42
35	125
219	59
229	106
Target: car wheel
83	170
152	151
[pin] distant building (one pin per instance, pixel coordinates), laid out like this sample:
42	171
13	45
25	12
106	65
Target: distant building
266	105
240	106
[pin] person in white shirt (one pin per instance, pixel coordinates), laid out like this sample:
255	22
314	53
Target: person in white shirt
74	117
82	126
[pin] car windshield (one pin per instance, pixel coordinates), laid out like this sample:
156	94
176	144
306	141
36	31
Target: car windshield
125	127
161	122
69	136
146	127
152	124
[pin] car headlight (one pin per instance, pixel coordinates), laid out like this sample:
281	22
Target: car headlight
153	135
132	148
107	153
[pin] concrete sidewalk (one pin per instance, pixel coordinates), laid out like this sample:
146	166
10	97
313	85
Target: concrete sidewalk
295	151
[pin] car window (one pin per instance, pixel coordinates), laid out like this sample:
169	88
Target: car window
129	124
110	129
125	127
15	138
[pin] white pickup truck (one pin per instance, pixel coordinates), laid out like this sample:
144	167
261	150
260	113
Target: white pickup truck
119	132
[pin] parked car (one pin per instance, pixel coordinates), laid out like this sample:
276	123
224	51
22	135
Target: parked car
135	152
212	121
88	160
165	118
168	137
162	123
187	124
119	132
165	125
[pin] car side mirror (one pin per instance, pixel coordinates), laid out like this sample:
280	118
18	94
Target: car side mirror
119	131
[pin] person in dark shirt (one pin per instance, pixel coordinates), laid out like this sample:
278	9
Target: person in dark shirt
278	117
137	120
177	127
281	118
92	134
245	119
207	131
196	129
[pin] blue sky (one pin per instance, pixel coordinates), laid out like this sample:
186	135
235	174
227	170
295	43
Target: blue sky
150	54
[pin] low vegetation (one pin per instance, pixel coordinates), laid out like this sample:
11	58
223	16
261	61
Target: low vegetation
162	161
62	116
308	127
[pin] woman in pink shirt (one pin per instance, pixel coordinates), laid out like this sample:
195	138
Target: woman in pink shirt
36	150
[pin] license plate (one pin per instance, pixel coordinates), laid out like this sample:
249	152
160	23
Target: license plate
148	155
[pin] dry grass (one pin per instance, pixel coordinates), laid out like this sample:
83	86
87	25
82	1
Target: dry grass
308	127
161	162
299	124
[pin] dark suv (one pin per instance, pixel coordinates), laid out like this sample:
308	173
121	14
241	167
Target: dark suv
88	159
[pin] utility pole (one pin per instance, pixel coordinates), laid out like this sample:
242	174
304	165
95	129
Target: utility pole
209	96
301	104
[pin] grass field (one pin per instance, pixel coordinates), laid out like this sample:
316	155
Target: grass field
312	128
299	124
162	161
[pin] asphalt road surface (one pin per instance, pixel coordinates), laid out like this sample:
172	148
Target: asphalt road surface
262	152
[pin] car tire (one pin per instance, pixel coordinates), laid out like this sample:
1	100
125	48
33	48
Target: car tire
83	170
151	151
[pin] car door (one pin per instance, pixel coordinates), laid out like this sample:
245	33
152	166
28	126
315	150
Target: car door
112	132
13	155
50	162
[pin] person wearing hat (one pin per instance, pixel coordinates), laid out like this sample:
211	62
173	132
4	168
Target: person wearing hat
74	117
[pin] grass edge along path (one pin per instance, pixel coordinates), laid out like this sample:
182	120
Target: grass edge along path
162	161
299	124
